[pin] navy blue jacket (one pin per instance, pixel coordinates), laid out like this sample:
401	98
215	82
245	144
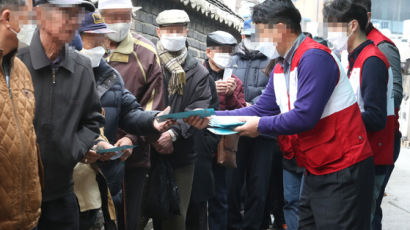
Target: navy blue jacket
374	75
121	107
248	66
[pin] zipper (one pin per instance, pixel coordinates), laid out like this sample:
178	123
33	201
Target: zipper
53	79
23	149
245	92
54	76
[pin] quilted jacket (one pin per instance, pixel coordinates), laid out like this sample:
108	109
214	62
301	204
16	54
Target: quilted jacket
20	190
248	65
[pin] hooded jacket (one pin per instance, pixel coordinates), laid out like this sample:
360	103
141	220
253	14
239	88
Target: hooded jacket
248	66
20	189
68	113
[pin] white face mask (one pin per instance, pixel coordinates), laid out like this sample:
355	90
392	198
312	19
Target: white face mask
26	33
222	60
249	44
173	42
337	41
95	55
268	49
121	31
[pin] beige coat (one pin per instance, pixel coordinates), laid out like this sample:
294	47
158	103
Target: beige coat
20	190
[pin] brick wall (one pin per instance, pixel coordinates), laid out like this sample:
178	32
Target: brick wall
199	27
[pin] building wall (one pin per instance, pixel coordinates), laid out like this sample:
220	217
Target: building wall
310	9
199	27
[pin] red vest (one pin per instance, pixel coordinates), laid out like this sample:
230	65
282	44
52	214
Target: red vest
377	37
339	139
382	142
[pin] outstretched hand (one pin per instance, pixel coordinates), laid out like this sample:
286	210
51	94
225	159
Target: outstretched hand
250	128
163	126
197	121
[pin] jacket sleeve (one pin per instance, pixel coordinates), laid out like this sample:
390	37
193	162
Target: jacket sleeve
92	118
200	98
373	90
133	119
237	99
392	54
214	103
315	86
153	97
264	106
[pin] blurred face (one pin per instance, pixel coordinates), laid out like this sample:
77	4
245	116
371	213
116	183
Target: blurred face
211	51
174	30
112	16
93	47
274	33
92	40
118	20
10	21
60	23
173	38
341	35
219	56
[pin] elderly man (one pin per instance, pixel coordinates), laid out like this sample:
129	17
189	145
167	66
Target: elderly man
136	59
21	191
220	47
187	83
68	112
121	107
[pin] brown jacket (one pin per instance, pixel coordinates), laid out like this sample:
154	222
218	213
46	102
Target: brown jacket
137	61
20	190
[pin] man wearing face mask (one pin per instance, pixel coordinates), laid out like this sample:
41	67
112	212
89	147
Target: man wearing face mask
254	156
121	111
219	49
371	77
319	105
136	59
68	110
21	165
188	88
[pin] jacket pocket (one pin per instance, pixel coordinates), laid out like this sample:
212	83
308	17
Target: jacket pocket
321	145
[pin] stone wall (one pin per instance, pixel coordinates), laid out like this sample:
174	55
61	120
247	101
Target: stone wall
199	27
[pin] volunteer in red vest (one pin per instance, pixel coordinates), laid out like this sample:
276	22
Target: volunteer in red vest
368	73
310	95
392	54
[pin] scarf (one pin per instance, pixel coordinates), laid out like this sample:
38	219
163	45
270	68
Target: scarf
173	62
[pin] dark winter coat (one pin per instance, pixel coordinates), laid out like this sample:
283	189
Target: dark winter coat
67	115
196	95
205	145
121	107
249	66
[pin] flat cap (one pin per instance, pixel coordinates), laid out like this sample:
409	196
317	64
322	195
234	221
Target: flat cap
114	4
64	3
170	17
220	38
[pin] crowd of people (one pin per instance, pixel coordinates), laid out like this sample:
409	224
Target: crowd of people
315	151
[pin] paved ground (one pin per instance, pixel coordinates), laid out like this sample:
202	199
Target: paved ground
396	205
